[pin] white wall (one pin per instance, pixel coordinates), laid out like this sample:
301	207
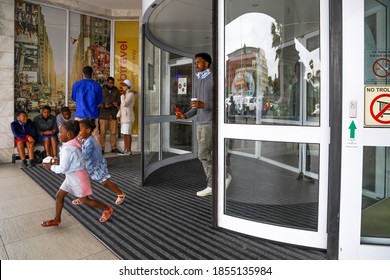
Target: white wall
6	78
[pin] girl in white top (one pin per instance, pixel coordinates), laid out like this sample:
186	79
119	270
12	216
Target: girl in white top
126	115
77	180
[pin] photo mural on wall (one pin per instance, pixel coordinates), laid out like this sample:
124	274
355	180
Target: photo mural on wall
89	46
40	54
39	57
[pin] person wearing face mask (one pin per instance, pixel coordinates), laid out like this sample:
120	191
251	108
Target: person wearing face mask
202	107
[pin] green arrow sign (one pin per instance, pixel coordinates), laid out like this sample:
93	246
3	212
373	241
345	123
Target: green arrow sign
352	127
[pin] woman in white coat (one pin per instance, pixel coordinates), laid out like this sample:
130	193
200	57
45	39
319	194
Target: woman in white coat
126	115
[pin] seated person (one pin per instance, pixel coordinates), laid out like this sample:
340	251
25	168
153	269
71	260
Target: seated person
65	115
24	133
47	131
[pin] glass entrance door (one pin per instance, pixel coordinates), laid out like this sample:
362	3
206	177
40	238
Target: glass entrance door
273	132
178	138
365	192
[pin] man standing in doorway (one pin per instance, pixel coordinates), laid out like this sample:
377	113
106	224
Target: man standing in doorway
108	111
202	106
88	95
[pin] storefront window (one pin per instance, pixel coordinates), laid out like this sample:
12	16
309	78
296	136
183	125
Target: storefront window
272	63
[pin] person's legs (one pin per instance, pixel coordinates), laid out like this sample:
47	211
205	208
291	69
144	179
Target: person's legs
54	146
113	126
20	147
93	203
95	132
46	144
60	197
204	136
30	148
114	188
107	210
127	142
103	132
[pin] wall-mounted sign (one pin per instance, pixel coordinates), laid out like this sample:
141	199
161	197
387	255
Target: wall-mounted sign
377	106
182	86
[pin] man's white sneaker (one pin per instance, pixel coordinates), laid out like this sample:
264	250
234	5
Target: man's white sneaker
124	153
228	180
207	191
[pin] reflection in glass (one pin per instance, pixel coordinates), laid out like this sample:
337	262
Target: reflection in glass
376	194
375	226
272	63
177	139
278	185
179	95
151	79
167	85
376	42
151	143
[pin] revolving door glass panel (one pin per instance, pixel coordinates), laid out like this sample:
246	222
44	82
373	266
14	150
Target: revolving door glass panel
269	187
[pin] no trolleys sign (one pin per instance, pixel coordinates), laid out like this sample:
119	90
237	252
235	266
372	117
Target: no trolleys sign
377	106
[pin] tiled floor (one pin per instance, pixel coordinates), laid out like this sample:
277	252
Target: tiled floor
23	205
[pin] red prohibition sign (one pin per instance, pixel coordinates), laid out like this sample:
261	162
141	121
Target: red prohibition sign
381	111
381	67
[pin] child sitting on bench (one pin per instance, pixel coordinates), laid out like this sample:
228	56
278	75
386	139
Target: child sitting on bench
24	133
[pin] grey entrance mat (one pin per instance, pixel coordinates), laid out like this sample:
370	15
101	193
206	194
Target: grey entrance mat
165	219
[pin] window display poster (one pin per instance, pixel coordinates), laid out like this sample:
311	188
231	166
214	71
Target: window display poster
126	62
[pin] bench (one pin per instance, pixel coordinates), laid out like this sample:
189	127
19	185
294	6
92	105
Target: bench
15	155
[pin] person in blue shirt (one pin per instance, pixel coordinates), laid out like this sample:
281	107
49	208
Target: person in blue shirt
88	95
24	133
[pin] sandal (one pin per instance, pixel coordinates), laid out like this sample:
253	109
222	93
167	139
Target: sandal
120	199
76	202
51	223
106	215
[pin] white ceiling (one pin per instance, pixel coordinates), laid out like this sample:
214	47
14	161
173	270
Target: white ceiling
186	25
115	4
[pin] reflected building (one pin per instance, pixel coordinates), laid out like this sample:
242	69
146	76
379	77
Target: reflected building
245	66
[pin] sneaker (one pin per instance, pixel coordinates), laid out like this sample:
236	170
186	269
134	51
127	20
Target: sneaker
207	191
32	163
124	153
115	151
102	151
24	163
228	180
